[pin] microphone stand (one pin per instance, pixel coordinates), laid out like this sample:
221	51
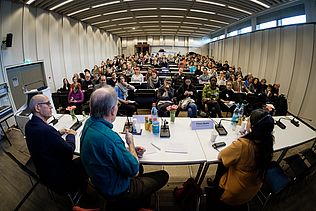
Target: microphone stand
220	128
76	125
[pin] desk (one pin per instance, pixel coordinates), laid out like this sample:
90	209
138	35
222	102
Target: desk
285	139
197	142
181	134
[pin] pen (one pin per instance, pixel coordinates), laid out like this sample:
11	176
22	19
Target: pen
156	146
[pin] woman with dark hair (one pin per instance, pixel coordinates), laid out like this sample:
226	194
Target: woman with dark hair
66	86
245	162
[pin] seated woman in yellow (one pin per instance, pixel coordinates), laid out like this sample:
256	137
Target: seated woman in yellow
246	160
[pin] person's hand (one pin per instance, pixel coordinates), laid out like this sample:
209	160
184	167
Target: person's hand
63	131
186	93
129	138
71	131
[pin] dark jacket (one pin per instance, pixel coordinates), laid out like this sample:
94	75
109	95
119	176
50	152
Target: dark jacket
183	88
51	154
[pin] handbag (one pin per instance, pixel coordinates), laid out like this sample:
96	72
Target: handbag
183	104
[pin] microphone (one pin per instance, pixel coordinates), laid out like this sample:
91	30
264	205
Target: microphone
220	128
280	124
54	121
76	125
128	125
295	122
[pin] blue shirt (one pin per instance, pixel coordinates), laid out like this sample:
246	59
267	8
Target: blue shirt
104	155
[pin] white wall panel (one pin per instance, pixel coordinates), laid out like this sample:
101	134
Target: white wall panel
55	47
244	50
12	23
42	45
235	51
228	50
264	52
255	52
302	66
273	55
286	59
90	43
309	101
29	33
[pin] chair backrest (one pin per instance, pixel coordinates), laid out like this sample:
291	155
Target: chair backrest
276	179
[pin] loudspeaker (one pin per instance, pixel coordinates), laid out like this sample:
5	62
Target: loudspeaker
8	41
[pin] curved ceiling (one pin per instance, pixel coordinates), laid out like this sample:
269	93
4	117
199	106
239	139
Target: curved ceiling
128	18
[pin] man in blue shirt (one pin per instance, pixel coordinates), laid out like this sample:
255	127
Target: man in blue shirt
113	169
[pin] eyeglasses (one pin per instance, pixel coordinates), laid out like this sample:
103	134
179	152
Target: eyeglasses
46	103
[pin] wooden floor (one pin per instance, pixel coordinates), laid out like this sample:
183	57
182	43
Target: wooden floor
15	183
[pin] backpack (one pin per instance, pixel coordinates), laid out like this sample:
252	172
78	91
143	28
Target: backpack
281	106
187	196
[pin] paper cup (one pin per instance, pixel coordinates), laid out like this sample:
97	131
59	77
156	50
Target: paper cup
213	136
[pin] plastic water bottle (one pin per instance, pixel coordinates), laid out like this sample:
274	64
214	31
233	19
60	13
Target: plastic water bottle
154	112
240	114
155	126
235	117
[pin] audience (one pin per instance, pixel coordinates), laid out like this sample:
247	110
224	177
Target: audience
153	81
66	86
137	77
76	98
210	96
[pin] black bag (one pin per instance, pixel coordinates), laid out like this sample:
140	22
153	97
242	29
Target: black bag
281	106
187	197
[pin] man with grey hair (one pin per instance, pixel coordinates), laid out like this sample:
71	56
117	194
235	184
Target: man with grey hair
112	167
51	154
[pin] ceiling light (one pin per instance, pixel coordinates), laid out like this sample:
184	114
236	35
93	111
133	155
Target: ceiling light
185	30
119	19
171	16
128	0
144	22
240	10
105	4
100	22
192	23
94	16
202	11
108	26
170	26
214	26
129	23
178	9
204	29
197	18
216	21
260	3
115	29
61	4
170	22
149	26
147	16
188	27
227	16
30	1
78	11
115	12
169	29
142	9
133	28
210	2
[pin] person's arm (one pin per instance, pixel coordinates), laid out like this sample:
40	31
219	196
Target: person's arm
231	154
130	142
81	97
61	147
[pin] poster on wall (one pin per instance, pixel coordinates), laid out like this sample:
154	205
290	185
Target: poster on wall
15	82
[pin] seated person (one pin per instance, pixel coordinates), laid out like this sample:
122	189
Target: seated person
153	81
112	81
255	86
76	97
137	77
87	83
178	78
165	97
205	78
66	86
239	86
210	96
186	96
51	154
149	72
227	98
121	89
245	161
102	82
112	167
